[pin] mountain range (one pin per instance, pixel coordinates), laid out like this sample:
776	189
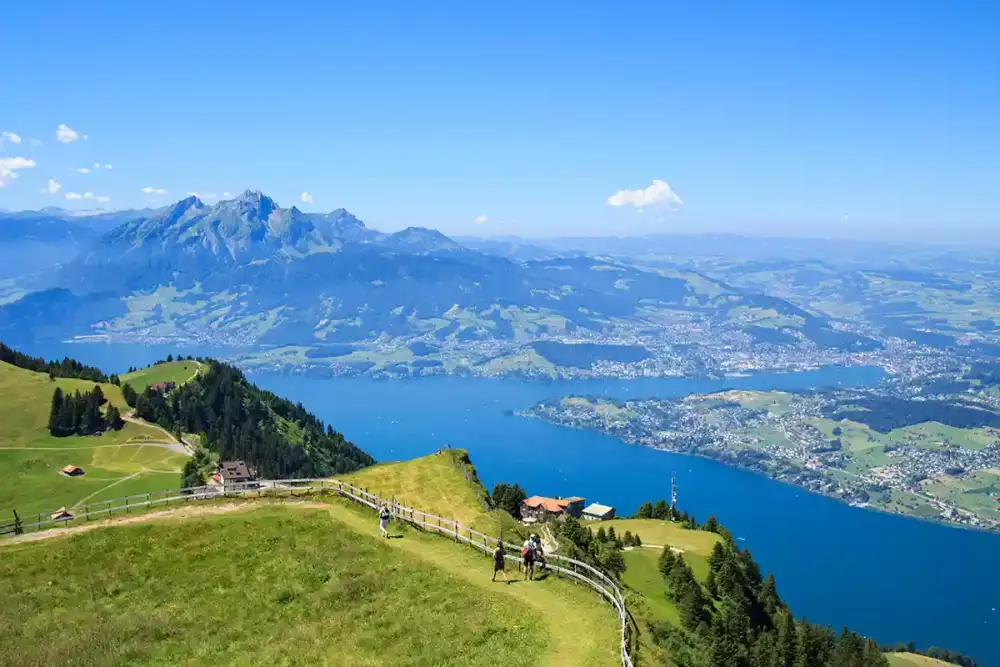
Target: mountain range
246	271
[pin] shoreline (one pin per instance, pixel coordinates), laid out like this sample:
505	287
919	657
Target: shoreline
866	507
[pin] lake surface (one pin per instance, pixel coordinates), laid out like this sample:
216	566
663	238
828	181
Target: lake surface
890	577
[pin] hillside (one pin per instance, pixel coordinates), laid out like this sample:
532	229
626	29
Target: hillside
178	372
914	660
316	566
237	420
135	459
444	483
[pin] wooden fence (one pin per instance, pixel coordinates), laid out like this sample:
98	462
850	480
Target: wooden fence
575	570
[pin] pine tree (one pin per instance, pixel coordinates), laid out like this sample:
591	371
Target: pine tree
712	525
114	418
57	402
710	585
645	511
660	510
787	641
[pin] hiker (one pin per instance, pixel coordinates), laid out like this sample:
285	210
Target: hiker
528	556
383	519
499	563
539	558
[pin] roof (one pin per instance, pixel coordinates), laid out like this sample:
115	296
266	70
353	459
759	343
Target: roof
548	504
234	470
597	509
162	386
70	469
554	505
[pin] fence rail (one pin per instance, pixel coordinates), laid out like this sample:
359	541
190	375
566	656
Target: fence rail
451	528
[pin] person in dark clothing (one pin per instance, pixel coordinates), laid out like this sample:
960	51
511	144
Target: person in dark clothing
499	563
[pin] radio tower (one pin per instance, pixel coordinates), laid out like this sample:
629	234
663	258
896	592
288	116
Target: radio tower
673	496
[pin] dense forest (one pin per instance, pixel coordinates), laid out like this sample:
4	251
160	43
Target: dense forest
735	618
885	413
67	368
237	420
81	414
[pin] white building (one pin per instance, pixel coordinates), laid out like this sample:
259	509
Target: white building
598	512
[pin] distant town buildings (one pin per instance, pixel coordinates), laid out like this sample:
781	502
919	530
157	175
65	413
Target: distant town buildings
162	387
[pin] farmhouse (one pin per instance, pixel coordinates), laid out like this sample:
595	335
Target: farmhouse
598	512
234	472
540	508
72	471
162	387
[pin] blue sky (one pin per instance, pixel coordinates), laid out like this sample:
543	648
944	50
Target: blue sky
833	118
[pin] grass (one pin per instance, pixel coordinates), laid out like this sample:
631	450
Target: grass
913	660
437	484
313	586
305	590
177	372
643	577
654	531
30	458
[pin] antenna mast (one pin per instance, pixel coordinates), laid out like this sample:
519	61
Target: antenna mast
673	496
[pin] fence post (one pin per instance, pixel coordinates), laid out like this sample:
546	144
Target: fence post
456	530
18	530
126	505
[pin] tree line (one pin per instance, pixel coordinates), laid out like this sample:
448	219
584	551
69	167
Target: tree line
942	654
237	420
67	368
81	413
737	619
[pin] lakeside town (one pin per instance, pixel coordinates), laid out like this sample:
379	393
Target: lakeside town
924	470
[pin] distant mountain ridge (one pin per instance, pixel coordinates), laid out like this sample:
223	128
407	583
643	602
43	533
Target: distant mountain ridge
248	272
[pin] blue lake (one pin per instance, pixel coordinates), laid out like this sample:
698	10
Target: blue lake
893	578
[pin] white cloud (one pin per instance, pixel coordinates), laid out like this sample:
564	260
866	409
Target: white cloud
154	191
307	198
11	137
657	194
480	220
67	135
88	195
10	165
98	165
82	170
203	197
53	187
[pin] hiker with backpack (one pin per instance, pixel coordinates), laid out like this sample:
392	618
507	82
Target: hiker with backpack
383	519
499	563
528	558
539	558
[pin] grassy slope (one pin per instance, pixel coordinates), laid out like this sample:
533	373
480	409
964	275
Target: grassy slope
436	484
647	592
306	590
913	660
197	591
654	531
178	372
30	458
